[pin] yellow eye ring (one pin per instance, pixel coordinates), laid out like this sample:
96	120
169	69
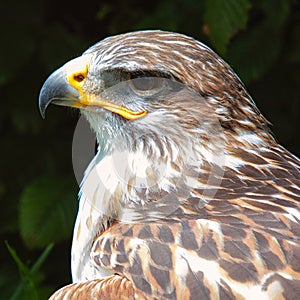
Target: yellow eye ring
78	78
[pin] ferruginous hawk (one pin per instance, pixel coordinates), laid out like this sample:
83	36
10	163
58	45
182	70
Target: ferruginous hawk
189	196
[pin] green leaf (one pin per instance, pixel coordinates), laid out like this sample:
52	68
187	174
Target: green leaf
23	269
41	259
47	211
28	284
223	19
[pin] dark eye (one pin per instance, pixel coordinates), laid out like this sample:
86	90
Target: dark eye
147	85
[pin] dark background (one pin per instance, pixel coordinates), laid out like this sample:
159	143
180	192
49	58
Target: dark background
260	40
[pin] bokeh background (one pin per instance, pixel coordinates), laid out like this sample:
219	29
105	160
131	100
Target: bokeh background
38	192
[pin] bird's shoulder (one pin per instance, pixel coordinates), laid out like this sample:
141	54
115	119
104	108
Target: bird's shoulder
206	257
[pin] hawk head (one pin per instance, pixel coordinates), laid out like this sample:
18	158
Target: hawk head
154	80
162	98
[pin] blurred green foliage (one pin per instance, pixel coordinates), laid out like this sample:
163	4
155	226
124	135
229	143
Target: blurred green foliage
259	38
27	287
50	219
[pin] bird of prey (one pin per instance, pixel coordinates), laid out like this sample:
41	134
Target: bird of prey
189	196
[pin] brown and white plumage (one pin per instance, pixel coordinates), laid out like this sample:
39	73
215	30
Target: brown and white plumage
189	196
